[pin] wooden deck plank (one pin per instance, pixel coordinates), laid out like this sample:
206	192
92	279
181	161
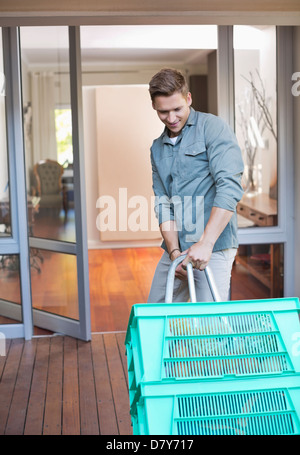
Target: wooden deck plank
118	384
71	413
121	345
106	409
87	396
18	409
53	404
36	405
8	380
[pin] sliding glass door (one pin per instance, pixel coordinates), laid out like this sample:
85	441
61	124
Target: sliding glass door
51	234
60	297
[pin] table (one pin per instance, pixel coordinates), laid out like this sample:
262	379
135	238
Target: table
262	211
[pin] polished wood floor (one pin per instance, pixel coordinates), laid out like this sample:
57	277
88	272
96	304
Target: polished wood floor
118	278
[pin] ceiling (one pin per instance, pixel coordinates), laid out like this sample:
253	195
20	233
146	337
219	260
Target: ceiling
131	44
121	44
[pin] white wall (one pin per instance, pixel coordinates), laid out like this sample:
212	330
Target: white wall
296	99
119	127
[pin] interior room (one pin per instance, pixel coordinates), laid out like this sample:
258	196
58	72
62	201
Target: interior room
123	236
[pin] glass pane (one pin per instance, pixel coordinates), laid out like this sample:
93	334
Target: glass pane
48	132
54	283
5	219
258	272
255	122
10	295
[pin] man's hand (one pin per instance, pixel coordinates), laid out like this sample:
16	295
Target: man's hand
198	254
179	272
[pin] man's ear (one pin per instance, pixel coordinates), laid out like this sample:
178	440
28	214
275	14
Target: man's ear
189	98
153	105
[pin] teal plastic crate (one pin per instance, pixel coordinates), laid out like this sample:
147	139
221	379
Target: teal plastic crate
214	368
214	407
200	341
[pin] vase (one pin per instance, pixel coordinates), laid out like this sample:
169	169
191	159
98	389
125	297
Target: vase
253	179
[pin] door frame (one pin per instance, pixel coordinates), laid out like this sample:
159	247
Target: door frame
20	242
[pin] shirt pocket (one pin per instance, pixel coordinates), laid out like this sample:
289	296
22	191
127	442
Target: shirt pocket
193	160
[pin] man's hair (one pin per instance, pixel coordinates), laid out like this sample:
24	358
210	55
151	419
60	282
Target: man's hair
167	82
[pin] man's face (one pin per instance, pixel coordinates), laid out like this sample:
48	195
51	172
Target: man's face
173	111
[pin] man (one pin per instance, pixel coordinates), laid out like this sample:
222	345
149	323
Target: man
196	169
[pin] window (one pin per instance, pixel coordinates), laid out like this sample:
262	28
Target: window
255	122
48	139
63	126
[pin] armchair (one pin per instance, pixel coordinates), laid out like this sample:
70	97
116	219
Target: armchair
48	175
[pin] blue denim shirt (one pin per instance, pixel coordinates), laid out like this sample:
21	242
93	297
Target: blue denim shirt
202	170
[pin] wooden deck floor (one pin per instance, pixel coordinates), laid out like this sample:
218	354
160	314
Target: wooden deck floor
62	386
56	385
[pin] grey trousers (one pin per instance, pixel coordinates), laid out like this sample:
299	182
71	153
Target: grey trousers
220	264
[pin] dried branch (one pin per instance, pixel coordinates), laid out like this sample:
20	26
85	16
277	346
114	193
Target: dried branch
260	98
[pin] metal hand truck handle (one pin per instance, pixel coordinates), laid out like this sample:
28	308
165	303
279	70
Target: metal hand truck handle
191	282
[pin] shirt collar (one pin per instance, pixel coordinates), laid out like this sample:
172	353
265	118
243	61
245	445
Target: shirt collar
192	117
190	121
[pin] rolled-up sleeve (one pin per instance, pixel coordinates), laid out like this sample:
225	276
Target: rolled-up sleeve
225	163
